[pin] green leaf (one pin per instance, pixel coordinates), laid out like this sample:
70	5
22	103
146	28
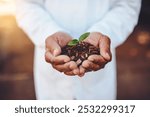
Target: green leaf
84	36
73	42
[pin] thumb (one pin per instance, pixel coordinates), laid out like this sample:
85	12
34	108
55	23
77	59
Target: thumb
56	51
53	46
104	45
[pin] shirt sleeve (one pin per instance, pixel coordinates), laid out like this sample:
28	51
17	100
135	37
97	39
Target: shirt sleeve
35	20
119	21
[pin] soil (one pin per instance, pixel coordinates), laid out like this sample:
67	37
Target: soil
80	52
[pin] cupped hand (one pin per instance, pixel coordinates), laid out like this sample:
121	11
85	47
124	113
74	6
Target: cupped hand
97	62
62	63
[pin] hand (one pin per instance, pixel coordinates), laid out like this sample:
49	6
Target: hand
97	62
62	63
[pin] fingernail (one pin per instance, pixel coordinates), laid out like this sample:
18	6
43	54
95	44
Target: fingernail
55	52
107	56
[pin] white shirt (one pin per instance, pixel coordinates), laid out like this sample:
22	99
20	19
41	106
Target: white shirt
41	18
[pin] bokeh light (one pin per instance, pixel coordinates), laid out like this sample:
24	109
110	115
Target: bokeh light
143	38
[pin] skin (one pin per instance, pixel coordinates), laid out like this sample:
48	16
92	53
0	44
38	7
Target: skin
62	63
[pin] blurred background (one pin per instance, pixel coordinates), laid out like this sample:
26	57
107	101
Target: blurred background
16	59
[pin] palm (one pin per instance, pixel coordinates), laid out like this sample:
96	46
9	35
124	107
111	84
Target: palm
97	62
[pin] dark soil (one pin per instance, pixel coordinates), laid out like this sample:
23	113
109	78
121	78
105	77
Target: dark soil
80	52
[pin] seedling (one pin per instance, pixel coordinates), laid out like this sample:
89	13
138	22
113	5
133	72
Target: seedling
78	50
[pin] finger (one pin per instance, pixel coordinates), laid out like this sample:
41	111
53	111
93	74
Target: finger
49	57
104	45
69	66
61	59
62	68
69	73
82	70
76	71
90	66
73	72
93	66
85	64
53	46
63	39
73	65
81	75
93	39
97	59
